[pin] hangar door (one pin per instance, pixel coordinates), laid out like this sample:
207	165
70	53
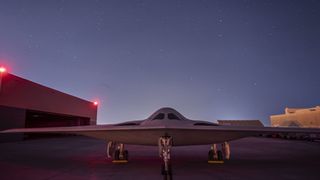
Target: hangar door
45	119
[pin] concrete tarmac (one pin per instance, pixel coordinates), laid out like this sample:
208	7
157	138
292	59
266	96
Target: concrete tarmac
84	158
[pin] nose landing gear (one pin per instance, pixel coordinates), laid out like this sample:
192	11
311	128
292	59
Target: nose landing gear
165	144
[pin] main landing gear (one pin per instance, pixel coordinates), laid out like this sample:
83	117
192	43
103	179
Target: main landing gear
117	152
217	156
165	144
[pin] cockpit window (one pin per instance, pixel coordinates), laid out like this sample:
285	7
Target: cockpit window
159	116
173	116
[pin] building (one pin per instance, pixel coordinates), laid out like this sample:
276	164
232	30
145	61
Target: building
27	104
241	122
298	117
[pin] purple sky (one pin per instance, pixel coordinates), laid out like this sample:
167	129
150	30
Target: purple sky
208	59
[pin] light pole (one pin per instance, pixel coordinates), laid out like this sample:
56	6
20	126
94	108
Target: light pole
2	71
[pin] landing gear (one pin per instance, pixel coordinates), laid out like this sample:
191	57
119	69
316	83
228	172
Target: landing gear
217	156
119	156
226	150
111	148
165	144
117	152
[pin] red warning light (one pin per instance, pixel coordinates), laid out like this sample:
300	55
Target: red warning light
95	103
3	69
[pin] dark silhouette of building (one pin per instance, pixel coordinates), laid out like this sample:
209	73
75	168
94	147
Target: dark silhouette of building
241	122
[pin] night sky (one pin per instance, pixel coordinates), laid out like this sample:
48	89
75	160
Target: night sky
208	59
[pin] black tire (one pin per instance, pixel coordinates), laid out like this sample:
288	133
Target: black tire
126	155
169	177
116	155
210	155
220	157
169	170
163	171
165	177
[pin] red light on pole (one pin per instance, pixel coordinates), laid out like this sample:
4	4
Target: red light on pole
3	69
95	103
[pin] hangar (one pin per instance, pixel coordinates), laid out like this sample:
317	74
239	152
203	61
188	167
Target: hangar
24	103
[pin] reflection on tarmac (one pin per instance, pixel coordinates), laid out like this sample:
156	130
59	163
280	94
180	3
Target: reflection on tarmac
84	158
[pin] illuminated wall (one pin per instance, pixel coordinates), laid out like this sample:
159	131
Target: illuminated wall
307	117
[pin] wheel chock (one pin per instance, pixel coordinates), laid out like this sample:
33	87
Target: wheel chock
215	162
120	161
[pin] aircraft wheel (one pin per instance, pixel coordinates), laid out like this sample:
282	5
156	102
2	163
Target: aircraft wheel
169	169
210	155
116	155
126	154
220	157
163	171
167	177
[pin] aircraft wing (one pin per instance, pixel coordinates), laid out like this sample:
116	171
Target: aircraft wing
182	135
